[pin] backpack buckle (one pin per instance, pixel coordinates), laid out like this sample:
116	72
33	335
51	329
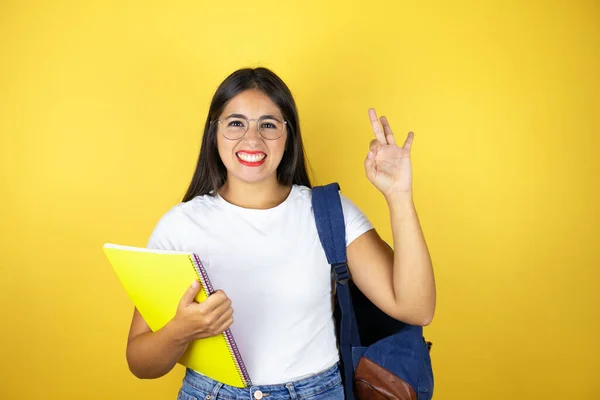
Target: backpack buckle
341	272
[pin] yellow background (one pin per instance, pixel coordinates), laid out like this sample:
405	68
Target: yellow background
101	111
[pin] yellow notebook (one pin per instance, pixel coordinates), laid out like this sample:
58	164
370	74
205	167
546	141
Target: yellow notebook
155	280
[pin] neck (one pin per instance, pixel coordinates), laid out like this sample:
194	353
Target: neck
258	195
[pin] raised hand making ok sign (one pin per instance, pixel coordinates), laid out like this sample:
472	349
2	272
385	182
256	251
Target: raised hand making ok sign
388	165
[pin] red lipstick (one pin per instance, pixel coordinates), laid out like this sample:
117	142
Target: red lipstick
251	158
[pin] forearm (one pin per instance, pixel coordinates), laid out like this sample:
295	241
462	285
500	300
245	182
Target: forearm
413	278
153	354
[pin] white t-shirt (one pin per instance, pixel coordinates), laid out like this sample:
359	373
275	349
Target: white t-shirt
271	265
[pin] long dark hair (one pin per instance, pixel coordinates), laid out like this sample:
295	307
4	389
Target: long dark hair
210	173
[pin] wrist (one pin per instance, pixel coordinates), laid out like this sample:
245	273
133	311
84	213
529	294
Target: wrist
176	332
400	199
401	206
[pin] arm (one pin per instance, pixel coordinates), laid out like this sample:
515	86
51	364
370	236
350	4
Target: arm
401	282
153	354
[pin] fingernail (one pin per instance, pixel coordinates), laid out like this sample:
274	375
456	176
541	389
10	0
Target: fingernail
370	155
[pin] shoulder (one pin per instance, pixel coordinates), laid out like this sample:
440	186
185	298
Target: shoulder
355	220
300	194
351	210
169	228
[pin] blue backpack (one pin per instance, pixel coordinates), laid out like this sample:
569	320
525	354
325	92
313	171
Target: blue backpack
382	358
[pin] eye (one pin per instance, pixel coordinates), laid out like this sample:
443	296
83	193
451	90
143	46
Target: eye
236	123
269	124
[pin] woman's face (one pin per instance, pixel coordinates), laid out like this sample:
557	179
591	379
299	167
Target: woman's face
251	158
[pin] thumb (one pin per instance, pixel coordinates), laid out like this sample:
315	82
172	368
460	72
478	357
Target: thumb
190	293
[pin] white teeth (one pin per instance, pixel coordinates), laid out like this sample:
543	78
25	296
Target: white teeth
251	157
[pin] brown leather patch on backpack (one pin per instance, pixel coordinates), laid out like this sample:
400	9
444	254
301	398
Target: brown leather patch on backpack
376	383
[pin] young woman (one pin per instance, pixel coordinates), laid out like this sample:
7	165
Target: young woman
248	213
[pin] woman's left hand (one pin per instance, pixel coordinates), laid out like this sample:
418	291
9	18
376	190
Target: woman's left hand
387	165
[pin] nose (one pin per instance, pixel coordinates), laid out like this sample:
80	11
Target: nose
252	133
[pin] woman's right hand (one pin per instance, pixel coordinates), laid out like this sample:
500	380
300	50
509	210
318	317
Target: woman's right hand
201	320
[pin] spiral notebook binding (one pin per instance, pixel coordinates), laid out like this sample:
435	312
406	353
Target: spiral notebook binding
241	367
228	336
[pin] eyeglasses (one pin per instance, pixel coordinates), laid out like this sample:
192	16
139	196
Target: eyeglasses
235	127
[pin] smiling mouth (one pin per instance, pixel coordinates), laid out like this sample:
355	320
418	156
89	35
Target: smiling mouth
251	159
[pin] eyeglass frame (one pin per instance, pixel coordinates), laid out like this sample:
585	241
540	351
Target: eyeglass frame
248	128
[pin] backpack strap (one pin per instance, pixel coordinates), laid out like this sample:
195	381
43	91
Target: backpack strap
329	218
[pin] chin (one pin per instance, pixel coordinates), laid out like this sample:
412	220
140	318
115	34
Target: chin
250	174
253	177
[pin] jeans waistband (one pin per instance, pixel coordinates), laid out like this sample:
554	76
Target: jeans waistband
306	387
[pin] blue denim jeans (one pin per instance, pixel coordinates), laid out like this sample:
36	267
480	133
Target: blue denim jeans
325	385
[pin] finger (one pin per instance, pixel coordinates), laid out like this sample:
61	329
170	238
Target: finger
409	140
370	168
389	135
214	301
222	308
223	318
379	134
374	146
224	326
214	331
190	293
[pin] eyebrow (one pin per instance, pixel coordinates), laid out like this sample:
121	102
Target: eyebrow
269	116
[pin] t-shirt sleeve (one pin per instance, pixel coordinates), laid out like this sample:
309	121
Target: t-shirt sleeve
356	221
167	233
